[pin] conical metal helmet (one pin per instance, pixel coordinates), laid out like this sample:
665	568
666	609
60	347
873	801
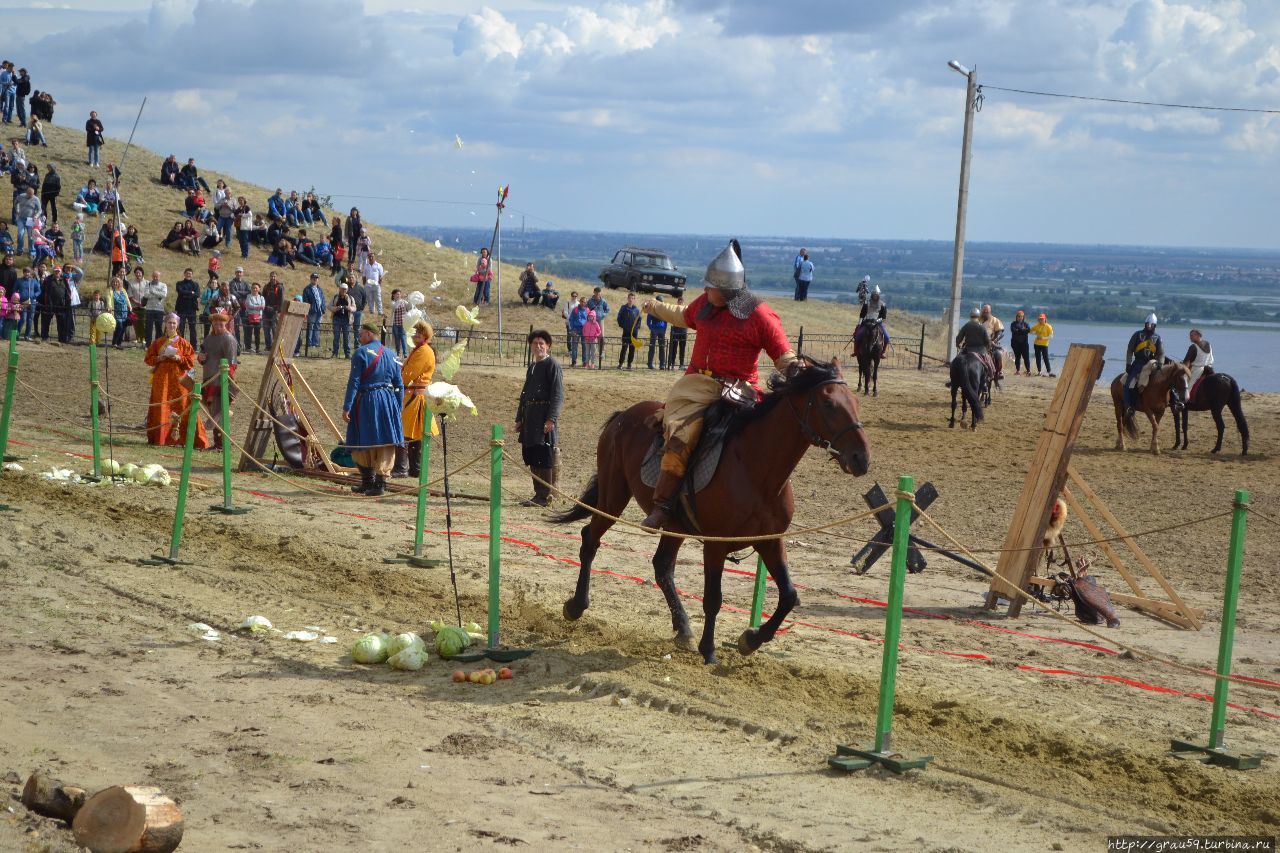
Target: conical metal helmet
726	272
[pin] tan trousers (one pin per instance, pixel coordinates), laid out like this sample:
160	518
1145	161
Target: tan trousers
380	458
687	401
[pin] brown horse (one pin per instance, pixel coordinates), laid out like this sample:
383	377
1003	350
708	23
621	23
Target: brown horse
749	494
1152	401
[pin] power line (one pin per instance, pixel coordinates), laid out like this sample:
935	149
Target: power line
1126	101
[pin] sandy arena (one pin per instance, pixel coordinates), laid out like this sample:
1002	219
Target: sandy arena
609	738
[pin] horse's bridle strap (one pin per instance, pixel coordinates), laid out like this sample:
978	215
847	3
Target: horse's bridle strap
809	433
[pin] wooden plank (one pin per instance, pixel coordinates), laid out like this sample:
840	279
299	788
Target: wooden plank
1160	609
1046	474
260	433
1133	545
1075	400
314	447
1097	533
338	434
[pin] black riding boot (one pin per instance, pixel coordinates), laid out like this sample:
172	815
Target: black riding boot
366	481
379	486
415	459
541	493
401	466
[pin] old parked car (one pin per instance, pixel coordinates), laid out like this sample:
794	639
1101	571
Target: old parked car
643	271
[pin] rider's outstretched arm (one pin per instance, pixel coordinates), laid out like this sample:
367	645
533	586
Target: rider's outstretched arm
663	311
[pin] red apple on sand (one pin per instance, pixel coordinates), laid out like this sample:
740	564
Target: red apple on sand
505	673
459	675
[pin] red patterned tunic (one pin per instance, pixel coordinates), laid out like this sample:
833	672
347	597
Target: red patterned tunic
728	347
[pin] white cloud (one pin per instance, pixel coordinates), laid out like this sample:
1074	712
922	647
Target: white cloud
488	33
1008	121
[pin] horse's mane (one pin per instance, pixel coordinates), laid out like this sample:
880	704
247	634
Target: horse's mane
806	375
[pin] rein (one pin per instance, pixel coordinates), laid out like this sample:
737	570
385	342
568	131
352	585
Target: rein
809	432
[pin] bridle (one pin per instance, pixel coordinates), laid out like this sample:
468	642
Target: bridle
810	434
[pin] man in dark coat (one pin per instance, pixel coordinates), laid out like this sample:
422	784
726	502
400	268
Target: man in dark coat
49	191
371	409
541	399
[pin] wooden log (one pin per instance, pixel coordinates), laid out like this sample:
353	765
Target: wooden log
129	819
46	796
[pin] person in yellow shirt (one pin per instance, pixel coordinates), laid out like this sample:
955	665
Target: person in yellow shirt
1043	332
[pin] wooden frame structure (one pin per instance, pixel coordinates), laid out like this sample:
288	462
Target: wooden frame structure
281	381
1047	479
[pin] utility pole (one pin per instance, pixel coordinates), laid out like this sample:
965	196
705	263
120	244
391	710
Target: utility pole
962	203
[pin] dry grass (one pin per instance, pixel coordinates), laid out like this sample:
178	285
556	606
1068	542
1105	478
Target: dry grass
409	261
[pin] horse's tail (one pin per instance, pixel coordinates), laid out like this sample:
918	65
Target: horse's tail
1237	412
1130	428
578	511
971	387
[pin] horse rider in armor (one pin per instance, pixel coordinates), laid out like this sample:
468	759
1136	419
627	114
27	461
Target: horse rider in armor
864	289
975	338
995	330
1199	359
733	326
872	314
1144	346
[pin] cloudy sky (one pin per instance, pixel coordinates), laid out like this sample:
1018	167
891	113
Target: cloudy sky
809	117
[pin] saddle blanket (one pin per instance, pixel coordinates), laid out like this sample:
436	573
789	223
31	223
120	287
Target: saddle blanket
702	466
1191	395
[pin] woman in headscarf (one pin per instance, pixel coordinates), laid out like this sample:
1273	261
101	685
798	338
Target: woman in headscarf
171	358
416	372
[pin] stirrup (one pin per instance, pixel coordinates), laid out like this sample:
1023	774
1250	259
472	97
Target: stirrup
659	517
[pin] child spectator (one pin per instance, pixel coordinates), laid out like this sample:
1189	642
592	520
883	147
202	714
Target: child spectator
54	235
97	305
77	238
215	261
399	307
592	342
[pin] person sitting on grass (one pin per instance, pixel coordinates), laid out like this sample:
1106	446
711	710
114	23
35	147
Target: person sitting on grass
173	239
169	171
89	199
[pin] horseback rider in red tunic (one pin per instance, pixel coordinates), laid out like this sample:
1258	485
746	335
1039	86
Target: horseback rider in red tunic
733	327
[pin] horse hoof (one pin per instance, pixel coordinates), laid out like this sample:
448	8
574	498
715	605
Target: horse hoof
684	642
952	425
711	659
573	611
1216	449
745	646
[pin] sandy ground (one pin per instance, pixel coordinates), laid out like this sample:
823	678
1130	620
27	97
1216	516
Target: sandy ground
608	738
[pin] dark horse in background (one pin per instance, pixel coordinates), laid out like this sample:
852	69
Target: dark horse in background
749	494
869	352
1215	392
967	378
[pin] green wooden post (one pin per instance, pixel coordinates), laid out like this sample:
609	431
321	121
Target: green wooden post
188	450
93	410
495	531
852	758
10	379
423	477
1230	599
1216	751
893	615
757	597
224	423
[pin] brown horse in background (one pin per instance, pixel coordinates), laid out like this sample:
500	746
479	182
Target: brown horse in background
749	494
1152	402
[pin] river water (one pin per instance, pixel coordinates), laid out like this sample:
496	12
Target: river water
1252	356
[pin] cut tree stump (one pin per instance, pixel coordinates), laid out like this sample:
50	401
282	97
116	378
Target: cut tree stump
46	796
129	819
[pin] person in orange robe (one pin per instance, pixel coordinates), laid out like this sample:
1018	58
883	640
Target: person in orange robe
170	357
416	372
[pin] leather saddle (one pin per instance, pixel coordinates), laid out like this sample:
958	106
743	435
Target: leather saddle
717	425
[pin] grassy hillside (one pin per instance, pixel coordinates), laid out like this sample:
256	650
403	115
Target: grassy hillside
410	262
